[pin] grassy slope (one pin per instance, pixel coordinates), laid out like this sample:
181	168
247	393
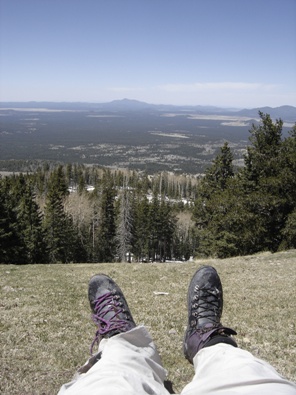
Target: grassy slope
46	329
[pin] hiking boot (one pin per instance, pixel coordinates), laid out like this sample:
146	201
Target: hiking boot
205	304
110	309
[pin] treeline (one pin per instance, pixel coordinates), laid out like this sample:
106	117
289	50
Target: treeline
77	213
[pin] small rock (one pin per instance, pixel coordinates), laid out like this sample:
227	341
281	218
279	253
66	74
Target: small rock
7	288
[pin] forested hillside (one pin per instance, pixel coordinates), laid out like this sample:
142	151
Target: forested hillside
74	213
77	213
254	209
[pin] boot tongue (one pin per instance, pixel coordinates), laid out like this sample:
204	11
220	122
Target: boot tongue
208	311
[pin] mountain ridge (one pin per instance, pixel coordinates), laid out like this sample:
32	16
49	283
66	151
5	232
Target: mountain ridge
285	112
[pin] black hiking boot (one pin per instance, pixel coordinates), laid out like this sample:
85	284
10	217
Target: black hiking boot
205	304
110	309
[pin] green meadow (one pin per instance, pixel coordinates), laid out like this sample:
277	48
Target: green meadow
46	327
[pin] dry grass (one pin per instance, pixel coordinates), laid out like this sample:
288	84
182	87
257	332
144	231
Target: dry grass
46	329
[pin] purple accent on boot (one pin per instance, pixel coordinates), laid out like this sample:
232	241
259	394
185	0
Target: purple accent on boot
106	311
199	337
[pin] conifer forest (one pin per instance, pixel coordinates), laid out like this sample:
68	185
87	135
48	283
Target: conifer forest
78	213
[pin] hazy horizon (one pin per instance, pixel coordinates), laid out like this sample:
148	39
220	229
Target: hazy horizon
140	101
228	54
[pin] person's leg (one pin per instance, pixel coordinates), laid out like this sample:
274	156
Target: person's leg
220	367
225	370
127	361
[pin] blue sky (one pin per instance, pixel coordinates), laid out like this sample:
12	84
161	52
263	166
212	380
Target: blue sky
230	53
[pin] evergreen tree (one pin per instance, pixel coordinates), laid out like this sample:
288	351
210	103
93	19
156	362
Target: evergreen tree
30	228
161	229
124	230
261	158
154	228
107	227
55	227
247	212
7	236
288	232
166	231
141	228
266	175
61	237
212	205
57	182
288	190
218	175
11	245
80	208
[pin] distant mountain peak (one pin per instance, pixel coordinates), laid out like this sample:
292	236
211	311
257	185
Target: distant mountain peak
129	104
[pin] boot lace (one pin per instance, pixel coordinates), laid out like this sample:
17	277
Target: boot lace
104	305
206	305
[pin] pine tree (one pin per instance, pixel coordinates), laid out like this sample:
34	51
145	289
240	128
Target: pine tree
288	232
161	229
55	227
247	212
11	244
166	231
107	227
211	206
141	228
30	227
124	230
58	182
261	158
264	177
288	190
219	173
154	227
61	237
7	234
